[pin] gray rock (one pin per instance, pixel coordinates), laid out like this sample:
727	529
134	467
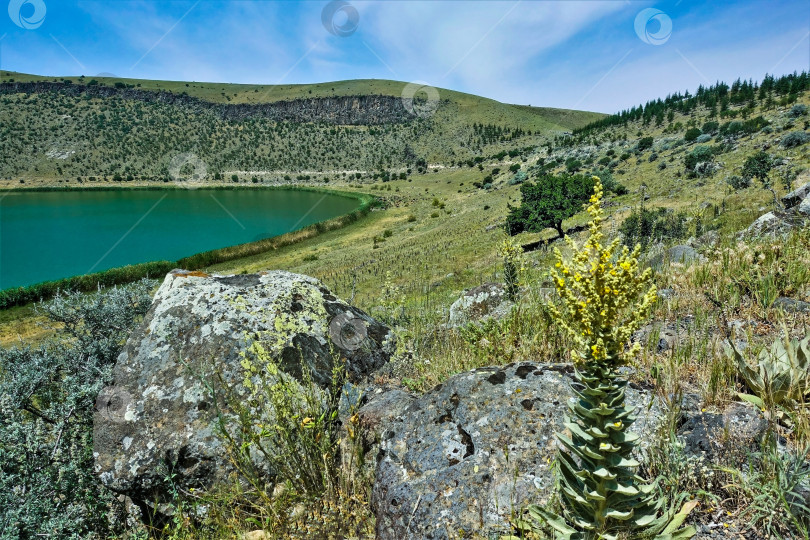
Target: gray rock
676	254
682	254
666	293
804	207
796	196
160	412
774	223
739	429
466	455
480	303
707	241
791	305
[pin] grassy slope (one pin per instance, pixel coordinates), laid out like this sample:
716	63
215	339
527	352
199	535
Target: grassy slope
433	253
472	108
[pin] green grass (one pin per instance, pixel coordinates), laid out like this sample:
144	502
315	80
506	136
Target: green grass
430	260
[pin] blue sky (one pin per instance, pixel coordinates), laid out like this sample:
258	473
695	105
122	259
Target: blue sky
584	55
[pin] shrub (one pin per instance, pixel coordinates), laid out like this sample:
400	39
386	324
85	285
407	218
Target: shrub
644	143
691	134
701	154
610	183
519	178
572	165
795	138
758	166
643	227
653	157
797	110
48	487
703	138
738	182
710	127
605	298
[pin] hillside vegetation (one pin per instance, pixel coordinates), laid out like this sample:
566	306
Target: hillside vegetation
688	170
70	132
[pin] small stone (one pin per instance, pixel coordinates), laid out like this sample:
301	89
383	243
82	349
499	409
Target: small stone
791	305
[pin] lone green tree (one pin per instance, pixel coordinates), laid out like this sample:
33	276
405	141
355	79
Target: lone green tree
547	202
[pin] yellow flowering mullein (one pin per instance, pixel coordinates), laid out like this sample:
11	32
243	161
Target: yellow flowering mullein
605	297
599	308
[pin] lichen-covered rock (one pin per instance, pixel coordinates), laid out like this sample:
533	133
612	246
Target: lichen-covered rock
479	303
775	223
468	454
796	196
736	430
804	208
159	418
791	305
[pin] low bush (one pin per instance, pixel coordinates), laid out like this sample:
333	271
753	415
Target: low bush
648	226
691	134
793	139
47	395
797	110
738	182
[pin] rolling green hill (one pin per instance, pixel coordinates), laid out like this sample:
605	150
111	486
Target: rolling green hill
84	129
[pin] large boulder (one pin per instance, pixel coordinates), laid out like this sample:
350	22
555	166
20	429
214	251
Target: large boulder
478	304
777	223
467	455
796	196
160	415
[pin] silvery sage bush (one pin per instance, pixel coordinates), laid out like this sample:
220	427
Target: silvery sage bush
47	398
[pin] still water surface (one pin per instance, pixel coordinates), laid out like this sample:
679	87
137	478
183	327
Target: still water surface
57	234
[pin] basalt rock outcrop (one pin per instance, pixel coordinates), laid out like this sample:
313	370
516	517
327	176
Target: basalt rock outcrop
159	418
464	457
338	110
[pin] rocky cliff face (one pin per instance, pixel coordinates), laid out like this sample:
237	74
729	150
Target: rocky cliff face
338	110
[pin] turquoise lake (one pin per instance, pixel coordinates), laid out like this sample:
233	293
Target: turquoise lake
56	234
